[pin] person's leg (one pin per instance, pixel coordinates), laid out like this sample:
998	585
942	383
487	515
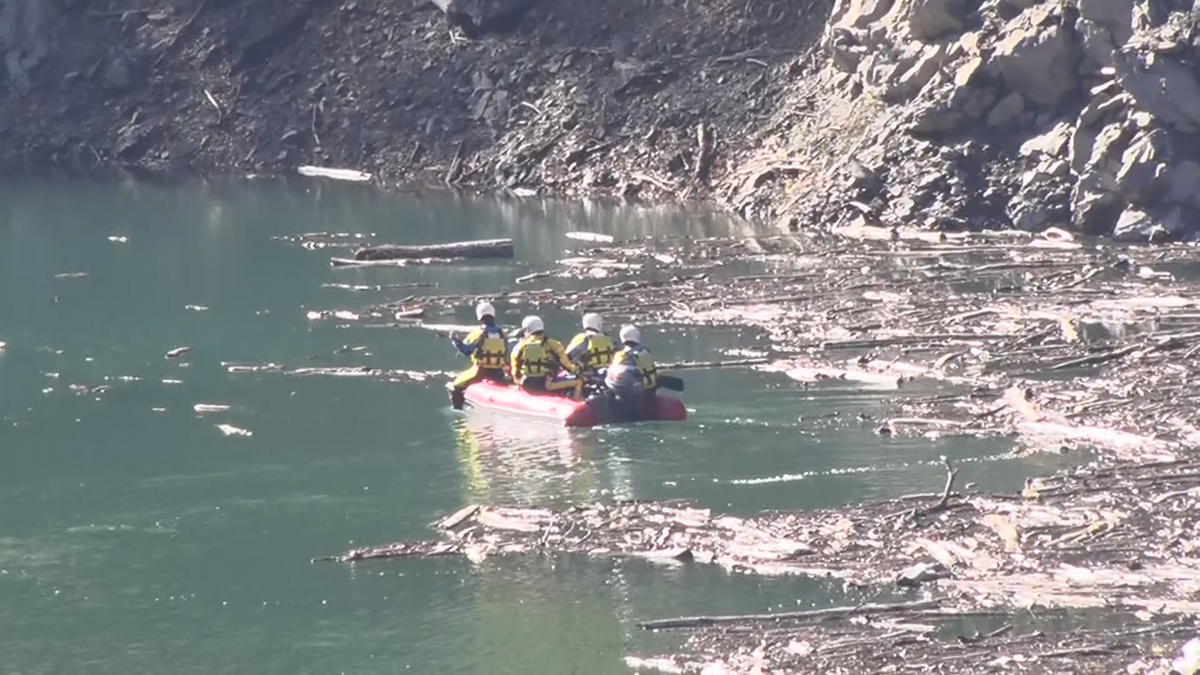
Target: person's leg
461	382
534	385
466	377
572	388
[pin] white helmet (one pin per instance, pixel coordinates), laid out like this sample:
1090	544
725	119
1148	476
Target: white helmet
630	333
592	320
532	324
484	309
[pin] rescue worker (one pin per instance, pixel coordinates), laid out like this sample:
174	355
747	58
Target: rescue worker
536	358
632	376
488	349
591	350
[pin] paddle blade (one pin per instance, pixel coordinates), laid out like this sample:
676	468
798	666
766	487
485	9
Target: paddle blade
670	382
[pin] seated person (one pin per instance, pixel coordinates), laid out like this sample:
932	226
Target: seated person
536	358
633	374
591	351
488	349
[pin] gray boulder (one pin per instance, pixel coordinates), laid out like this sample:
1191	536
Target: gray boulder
1153	67
1094	211
1184	181
1143	176
858	13
932	19
1138	225
1044	199
1052	143
1007	110
1038	56
1104	25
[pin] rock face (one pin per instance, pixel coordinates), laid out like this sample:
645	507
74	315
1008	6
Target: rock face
1155	69
1105	26
1037	55
1076	114
24	37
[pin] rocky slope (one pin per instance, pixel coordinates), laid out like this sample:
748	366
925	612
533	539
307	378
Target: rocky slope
1080	115
950	114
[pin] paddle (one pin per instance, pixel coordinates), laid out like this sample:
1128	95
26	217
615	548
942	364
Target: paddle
670	382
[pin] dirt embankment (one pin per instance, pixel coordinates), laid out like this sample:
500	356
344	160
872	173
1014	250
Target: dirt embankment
605	96
951	114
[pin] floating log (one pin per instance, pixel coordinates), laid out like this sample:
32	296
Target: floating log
211	407
533	277
350	175
351	262
731	363
591	236
482	248
803	615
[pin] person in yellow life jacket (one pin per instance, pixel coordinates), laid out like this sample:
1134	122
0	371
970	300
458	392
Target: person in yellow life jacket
536	358
591	350
488	348
633	375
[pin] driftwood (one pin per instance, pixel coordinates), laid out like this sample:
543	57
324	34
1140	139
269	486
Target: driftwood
944	501
534	276
591	236
938	639
807	615
483	248
350	175
393	375
1046	546
730	363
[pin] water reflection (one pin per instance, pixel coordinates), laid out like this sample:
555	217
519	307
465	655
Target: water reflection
505	459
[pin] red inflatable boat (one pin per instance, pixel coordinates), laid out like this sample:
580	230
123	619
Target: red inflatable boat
565	411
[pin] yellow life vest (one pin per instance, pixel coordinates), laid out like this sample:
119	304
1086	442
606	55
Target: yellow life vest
597	350
640	357
530	359
490	348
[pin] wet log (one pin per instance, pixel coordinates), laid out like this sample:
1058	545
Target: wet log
1096	359
533	277
350	175
733	363
940	338
942	503
482	248
456	518
591	236
807	615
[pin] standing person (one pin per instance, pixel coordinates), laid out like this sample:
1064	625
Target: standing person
488	349
633	374
536	358
591	350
